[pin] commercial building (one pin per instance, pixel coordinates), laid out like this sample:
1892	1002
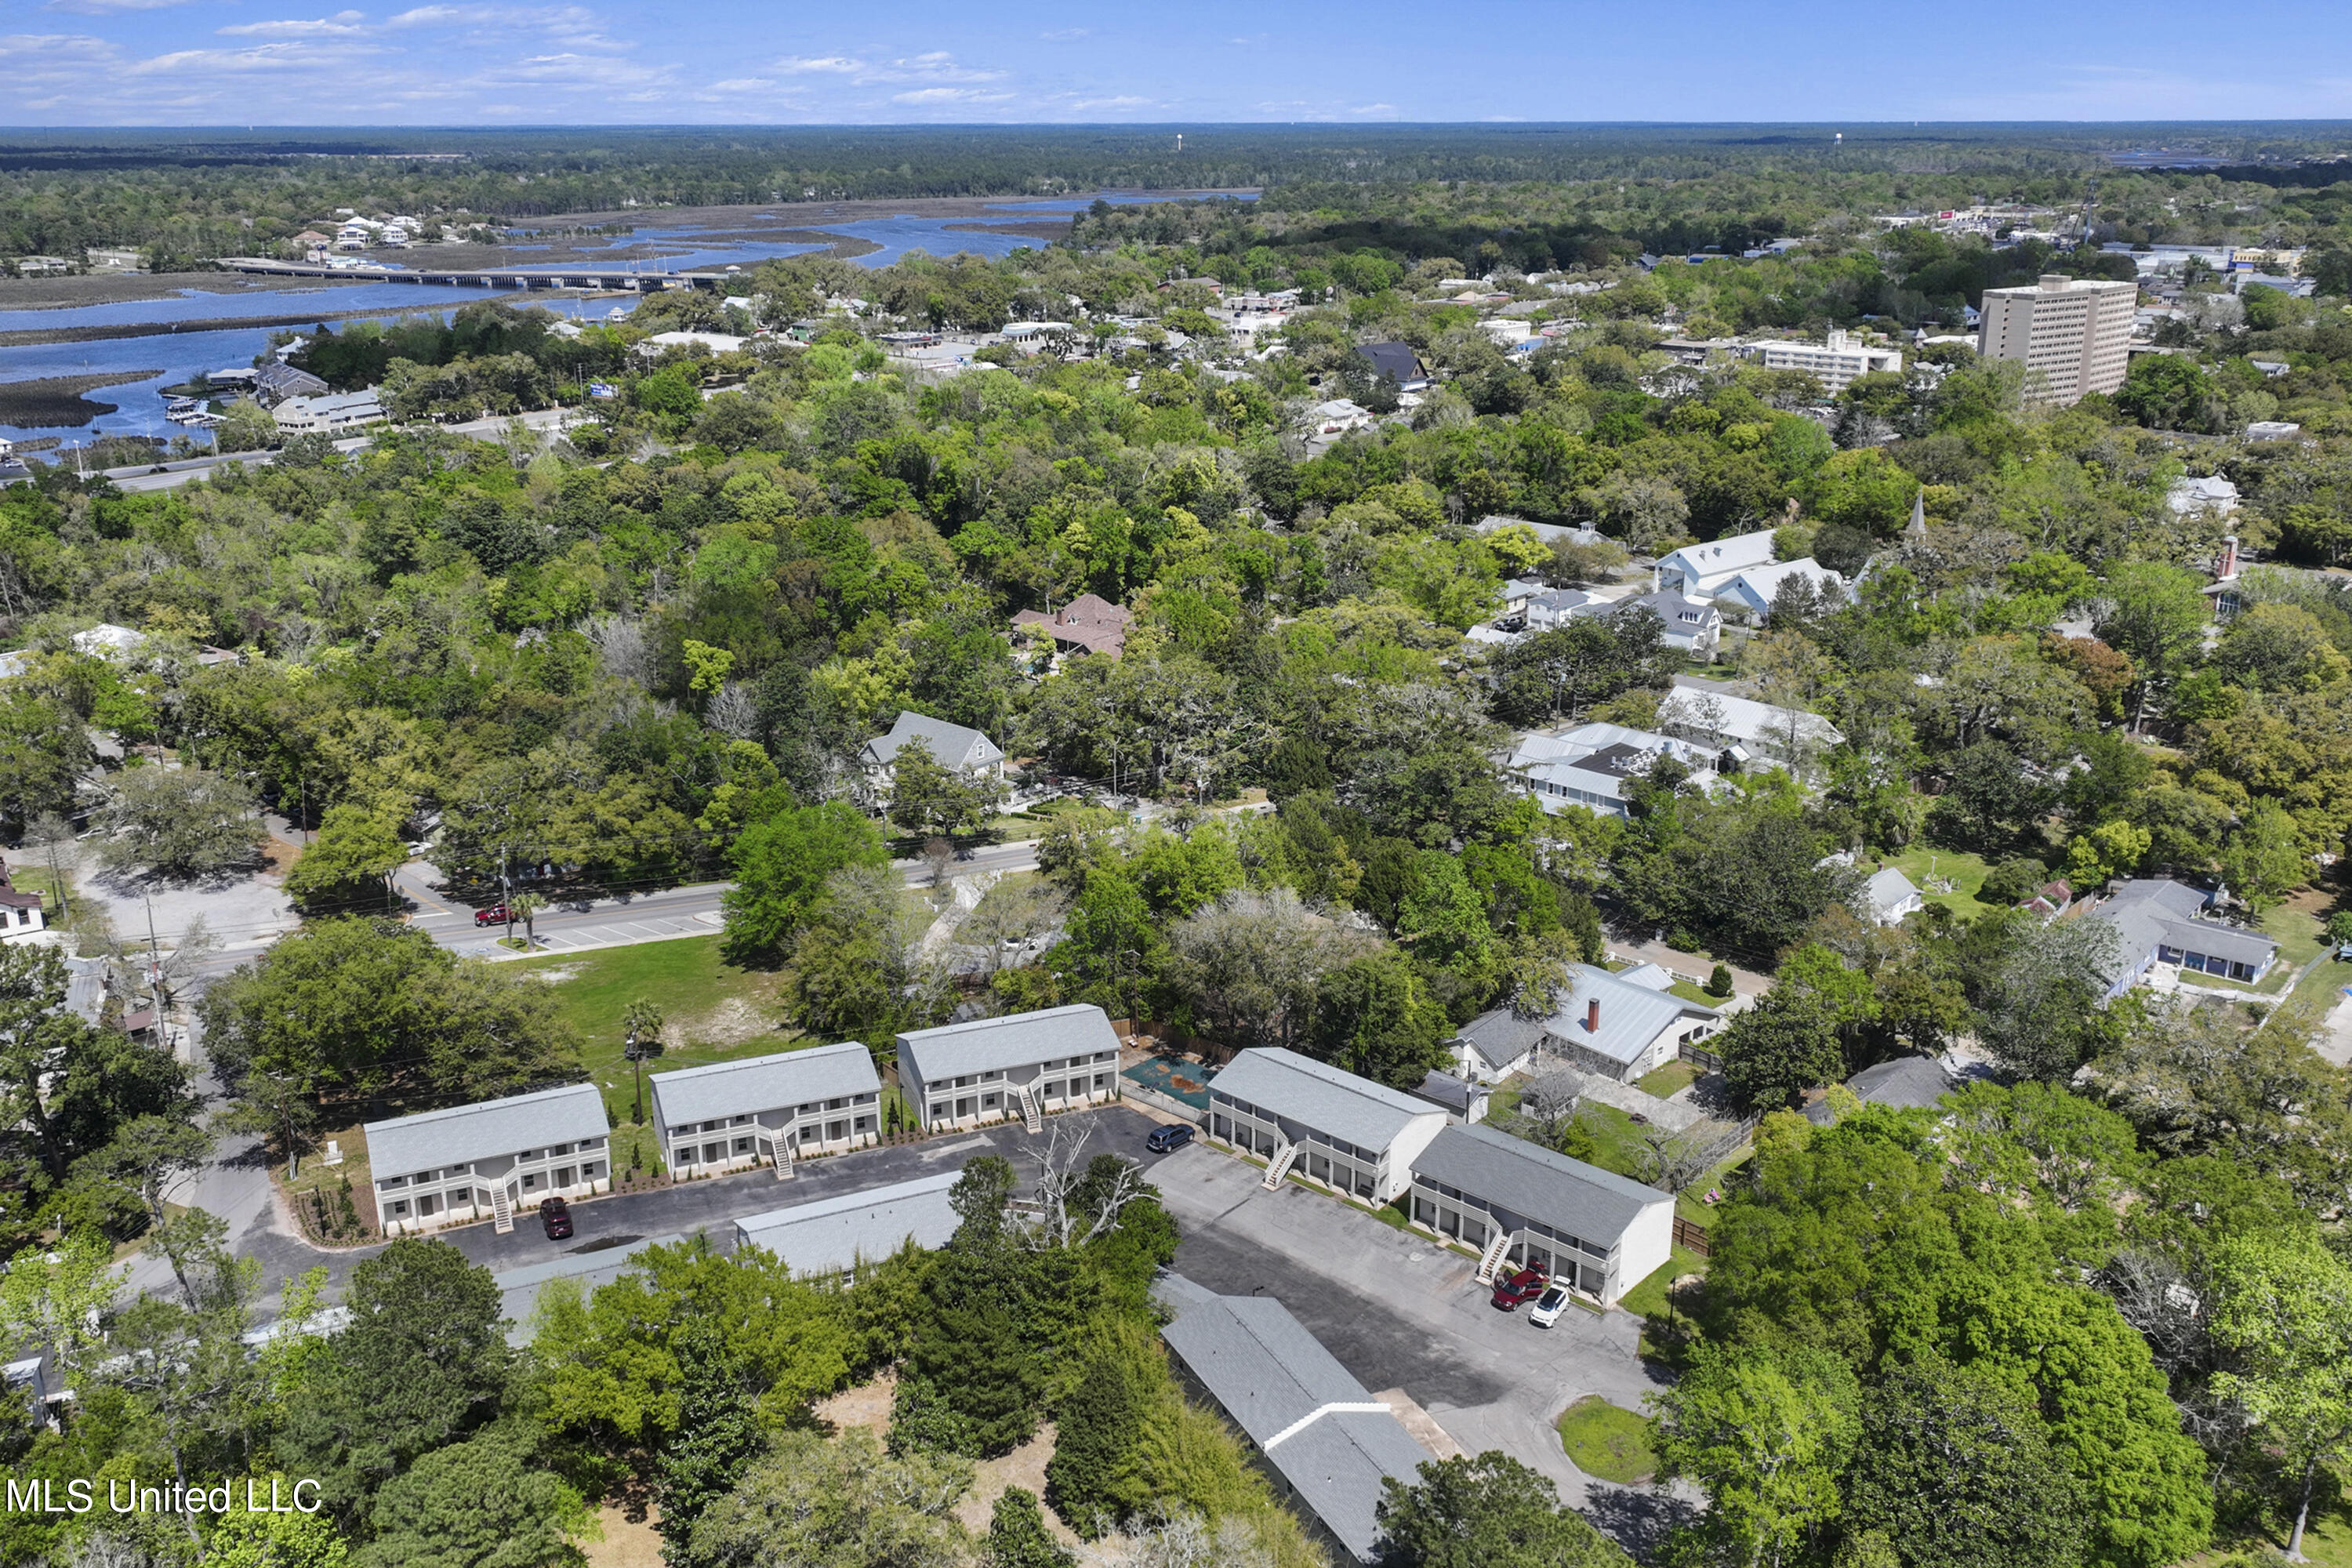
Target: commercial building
1524	1206
769	1111
1025	1065
834	1235
1313	1120
2072	334
1834	363
1326	1441
332	415
487	1160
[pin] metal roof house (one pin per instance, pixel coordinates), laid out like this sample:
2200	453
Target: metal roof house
1889	897
2158	923
1316	1428
1588	765
1024	1065
1619	1026
1525	1206
484	1161
952	746
767	1111
835	1235
1705	713
1327	1125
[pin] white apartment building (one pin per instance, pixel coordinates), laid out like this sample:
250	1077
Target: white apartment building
1313	1119
2072	334
1026	1064
487	1160
1834	364
767	1111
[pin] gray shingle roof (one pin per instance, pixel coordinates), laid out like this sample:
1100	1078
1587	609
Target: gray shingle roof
1502	1037
1270	1375
1905	1081
830	1237
488	1127
1888	889
992	1045
762	1083
2149	911
1354	1109
953	745
1534	1183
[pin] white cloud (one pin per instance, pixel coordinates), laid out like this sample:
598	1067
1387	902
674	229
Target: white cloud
1125	100
948	95
743	84
341	24
1373	109
822	65
1066	35
109	8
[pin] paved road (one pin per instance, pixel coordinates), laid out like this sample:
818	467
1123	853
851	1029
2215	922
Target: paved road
626	1218
186	470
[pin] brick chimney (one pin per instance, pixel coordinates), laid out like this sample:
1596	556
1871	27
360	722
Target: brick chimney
1592	1016
2226	567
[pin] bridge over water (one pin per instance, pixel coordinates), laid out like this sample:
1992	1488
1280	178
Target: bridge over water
606	277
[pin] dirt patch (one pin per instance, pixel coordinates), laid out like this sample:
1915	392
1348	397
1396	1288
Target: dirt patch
866	1405
558	975
730	1023
1023	1467
628	1543
57	400
277	858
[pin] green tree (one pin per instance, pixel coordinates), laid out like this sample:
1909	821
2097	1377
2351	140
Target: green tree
178	822
843	1503
1766	1435
2263	859
357	850
1954	1469
1475	1514
482	1503
255	1539
926	797
781	865
2157	616
1776	1050
1018	1536
1374	1015
717	1434
2283	1312
1094	1479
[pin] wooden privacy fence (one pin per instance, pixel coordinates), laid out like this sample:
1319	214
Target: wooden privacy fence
1690	1233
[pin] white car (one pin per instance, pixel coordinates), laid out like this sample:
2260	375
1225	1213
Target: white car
1548	1306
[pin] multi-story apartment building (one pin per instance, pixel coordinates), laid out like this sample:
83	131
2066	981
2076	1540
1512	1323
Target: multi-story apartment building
767	1111
487	1160
1026	1064
1834	363
2072	334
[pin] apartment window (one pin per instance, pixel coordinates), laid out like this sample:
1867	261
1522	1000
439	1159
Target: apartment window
398	1209
589	1172
837	1104
940	1111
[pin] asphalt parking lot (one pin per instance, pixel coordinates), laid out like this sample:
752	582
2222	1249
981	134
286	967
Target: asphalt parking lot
1401	1312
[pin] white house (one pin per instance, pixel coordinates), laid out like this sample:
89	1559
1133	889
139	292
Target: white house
332	415
834	1235
1588	765
487	1160
1720	720
1524	1206
1753	590
1619	1026
952	746
1693	625
1739	569
1024	1065
767	1111
2213	495
1889	897
717	343
1319	1121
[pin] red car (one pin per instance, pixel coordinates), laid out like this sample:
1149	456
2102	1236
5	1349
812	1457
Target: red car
555	1219
1520	1289
496	915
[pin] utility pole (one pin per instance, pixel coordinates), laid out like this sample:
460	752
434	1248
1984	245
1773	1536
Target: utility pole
505	893
154	960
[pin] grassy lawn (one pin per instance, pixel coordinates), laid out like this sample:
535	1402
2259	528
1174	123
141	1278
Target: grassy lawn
1688	1206
1617	1141
1648	1299
1669	1079
1605	1441
2299	926
1690	992
1965	872
712	1011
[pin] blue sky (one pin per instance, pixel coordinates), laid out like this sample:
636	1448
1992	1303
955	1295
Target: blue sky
133	62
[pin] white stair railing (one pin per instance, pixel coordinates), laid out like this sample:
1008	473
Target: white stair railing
1490	1263
1283	1158
501	1211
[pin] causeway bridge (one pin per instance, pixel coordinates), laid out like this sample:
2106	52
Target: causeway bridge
525	277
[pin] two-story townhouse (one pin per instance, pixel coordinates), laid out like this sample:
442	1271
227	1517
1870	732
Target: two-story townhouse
767	1111
1326	1124
487	1160
1525	1206
1025	1065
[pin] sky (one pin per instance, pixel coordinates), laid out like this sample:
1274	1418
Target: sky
269	63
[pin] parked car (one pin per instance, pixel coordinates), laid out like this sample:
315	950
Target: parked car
1550	1306
496	915
555	1219
1515	1293
1173	1136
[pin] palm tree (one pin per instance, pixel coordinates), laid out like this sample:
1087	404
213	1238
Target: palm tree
525	907
641	1027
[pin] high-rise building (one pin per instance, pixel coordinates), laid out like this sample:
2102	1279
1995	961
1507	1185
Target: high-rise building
2076	332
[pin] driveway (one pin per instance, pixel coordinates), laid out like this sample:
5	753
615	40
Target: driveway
623	1219
1401	1312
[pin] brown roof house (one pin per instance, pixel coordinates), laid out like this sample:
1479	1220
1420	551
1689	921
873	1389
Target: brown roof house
1087	624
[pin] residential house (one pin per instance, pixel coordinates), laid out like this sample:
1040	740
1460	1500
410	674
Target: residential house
1589	765
1337	416
1524	1206
1714	716
2161	921
1738	569
276	382
2210	494
1889	897
1754	589
103	259
1089	624
1326	1442
1398	362
1024	1065
1462	1101
1310	1119
767	1111
952	746
22	916
331	416
717	343
1692	625
1618	1024
487	1160
832	1236
1549	533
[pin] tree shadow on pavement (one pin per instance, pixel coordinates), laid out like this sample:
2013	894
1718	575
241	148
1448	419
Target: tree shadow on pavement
1639	1519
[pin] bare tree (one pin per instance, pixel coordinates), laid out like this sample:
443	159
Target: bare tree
1009	916
621	648
732	712
1076	1203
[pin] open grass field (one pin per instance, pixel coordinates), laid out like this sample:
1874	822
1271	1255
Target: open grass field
1648	1299
1669	1079
1607	1442
1923	863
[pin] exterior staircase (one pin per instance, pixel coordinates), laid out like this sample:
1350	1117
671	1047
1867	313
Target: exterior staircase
783	1157
1491	1262
1283	1158
501	1211
1031	1117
